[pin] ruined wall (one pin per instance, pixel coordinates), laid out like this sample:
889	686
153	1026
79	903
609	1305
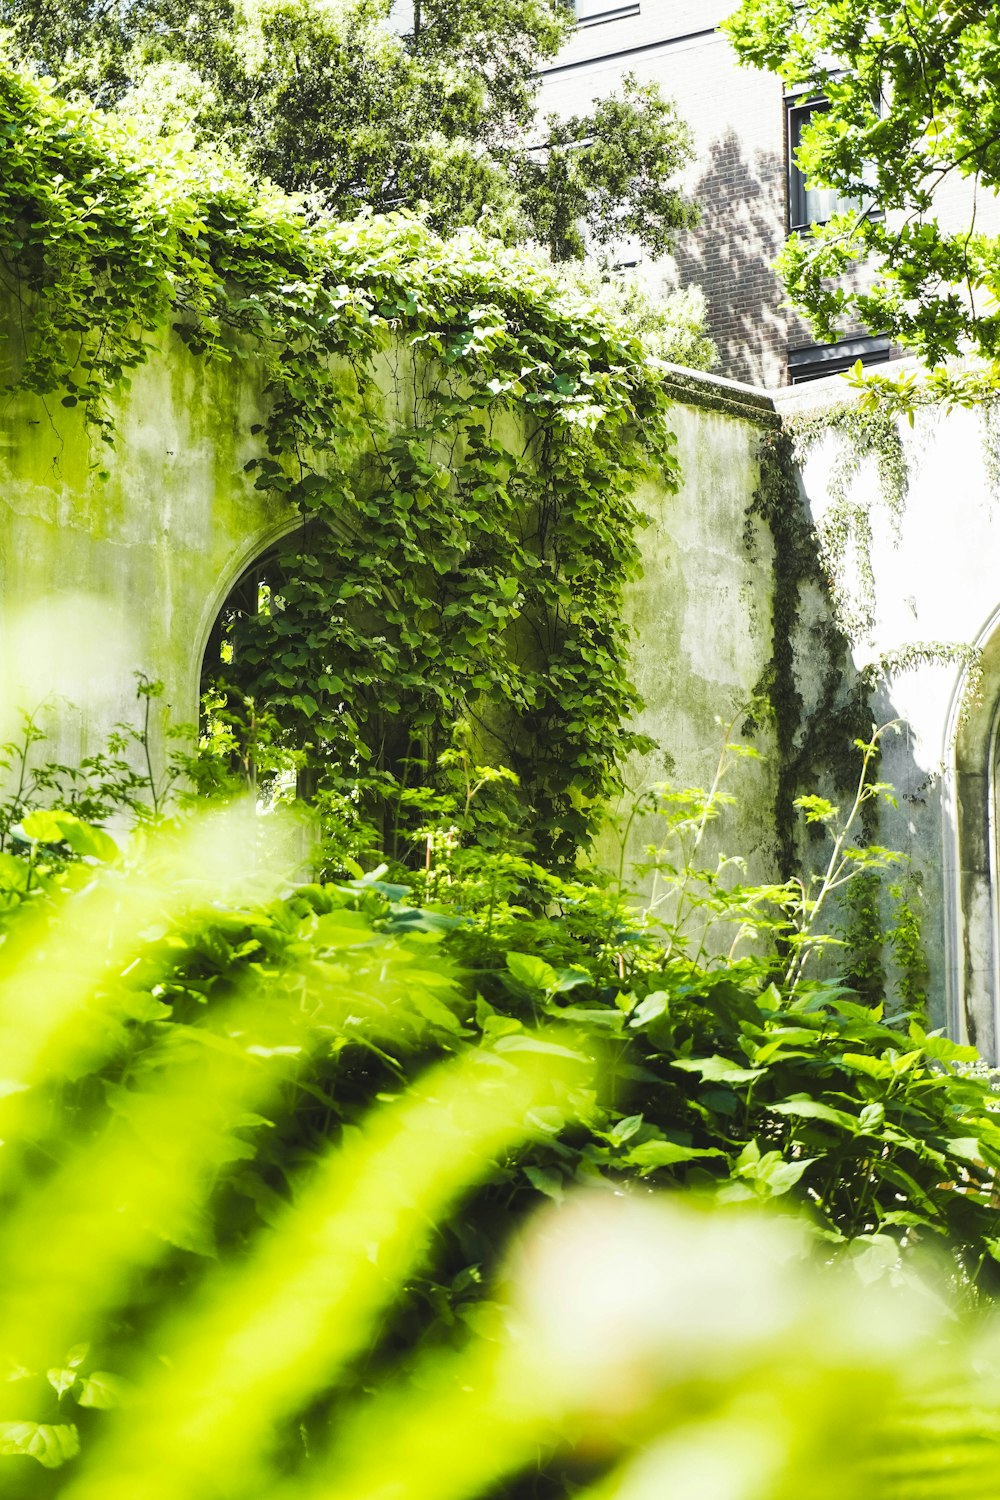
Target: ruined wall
103	577
919	578
702	616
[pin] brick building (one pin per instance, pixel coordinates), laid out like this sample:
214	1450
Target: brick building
743	177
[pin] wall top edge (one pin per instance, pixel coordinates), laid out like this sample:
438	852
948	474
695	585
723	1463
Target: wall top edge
696	388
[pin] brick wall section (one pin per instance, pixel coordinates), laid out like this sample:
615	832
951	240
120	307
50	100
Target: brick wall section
738	177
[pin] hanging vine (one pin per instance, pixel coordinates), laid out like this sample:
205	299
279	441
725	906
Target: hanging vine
461	565
814	744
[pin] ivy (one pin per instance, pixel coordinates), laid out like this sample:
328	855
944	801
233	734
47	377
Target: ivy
844	533
865	433
463	564
818	741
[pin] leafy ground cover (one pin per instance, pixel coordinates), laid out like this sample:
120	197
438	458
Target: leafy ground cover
268	1142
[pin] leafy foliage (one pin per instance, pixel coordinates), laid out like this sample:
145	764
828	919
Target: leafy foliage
670	324
496	510
301	1120
380	106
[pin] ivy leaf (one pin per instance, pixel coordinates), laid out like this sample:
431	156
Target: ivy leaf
51	1446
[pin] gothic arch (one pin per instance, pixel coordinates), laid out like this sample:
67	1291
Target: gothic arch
972	851
251	551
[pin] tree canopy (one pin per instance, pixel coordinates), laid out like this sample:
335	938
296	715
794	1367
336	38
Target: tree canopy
370	103
913	109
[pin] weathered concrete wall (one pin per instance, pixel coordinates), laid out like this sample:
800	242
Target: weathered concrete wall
930	582
104	577
100	578
702	621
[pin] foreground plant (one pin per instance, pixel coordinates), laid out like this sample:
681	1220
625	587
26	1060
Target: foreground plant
204	1293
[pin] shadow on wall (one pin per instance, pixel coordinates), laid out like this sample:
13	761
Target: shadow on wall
729	255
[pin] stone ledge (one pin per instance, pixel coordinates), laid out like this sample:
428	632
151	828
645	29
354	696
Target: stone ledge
717	393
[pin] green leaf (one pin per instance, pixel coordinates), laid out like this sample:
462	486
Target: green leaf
652	1154
525	1042
624	1130
534	973
546	1181
51	1446
651	1008
53	826
91	842
717	1069
42	827
804	1108
61	1380
966	1148
101	1390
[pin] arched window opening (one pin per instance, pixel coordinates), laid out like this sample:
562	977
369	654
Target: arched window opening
972	844
294	709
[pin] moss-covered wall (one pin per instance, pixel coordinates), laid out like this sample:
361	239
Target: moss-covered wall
702	616
919	574
104	577
117	560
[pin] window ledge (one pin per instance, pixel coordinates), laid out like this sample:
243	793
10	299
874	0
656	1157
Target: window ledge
613	13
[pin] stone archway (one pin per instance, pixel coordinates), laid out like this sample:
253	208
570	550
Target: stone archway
972	851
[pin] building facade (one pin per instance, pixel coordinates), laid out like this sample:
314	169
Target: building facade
744	177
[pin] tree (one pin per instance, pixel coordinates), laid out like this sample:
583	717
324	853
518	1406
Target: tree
369	103
914	105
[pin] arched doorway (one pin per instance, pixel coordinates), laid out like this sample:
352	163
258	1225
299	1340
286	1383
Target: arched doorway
295	723
971	809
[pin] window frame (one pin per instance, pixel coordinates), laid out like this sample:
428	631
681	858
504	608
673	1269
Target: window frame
799	109
610	10
797	106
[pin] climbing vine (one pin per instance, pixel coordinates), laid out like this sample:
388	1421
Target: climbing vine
814	743
844	531
463	549
865	434
989	429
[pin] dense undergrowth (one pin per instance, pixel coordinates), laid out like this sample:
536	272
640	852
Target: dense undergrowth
268	1140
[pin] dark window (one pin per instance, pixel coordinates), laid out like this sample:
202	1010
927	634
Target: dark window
813	361
806	204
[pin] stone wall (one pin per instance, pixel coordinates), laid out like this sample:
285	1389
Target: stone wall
929	583
104	577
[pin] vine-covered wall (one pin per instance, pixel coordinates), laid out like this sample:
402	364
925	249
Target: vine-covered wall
492	511
907	520
451	445
133	565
